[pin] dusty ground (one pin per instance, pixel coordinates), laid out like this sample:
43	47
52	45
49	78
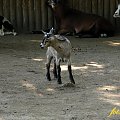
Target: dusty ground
25	94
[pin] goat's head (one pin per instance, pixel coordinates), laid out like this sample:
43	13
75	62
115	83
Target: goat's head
52	3
117	12
46	38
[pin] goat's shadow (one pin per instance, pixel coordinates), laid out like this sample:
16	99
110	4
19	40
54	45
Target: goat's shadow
51	88
69	88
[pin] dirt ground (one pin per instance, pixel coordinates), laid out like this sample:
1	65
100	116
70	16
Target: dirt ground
25	94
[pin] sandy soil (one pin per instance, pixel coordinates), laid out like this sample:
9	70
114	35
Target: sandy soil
25	94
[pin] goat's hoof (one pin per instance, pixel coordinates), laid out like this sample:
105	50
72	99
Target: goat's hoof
14	33
73	82
49	79
2	34
103	35
59	82
55	77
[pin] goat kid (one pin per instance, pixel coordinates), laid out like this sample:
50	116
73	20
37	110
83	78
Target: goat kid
6	27
70	20
58	48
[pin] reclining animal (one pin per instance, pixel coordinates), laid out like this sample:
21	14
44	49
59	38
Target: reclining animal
58	48
6	27
70	20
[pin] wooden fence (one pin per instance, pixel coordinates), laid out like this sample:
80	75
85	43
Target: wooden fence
30	15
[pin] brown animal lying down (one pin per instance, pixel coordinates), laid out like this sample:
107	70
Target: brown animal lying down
73	21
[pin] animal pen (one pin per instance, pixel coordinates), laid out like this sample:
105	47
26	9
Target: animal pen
34	15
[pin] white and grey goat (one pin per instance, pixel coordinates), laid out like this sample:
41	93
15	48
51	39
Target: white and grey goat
58	48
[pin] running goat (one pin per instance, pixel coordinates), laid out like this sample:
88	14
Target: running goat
58	48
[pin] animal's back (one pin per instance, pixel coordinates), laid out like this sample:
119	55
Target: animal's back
85	22
61	49
70	20
64	46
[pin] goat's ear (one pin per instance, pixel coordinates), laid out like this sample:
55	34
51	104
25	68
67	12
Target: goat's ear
51	31
43	32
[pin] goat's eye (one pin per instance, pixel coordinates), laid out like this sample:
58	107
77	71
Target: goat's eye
48	36
46	41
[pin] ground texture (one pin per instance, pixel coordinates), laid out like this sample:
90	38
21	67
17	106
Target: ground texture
25	94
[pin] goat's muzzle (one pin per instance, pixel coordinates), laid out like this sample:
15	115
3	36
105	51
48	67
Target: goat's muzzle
41	45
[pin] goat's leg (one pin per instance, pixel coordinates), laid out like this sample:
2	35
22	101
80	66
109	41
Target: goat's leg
70	72
2	30
48	68
55	70
59	72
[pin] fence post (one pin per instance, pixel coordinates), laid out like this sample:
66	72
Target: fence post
25	15
1	7
44	15
38	15
31	15
19	15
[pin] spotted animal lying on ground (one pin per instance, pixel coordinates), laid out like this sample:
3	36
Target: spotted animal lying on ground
6	27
